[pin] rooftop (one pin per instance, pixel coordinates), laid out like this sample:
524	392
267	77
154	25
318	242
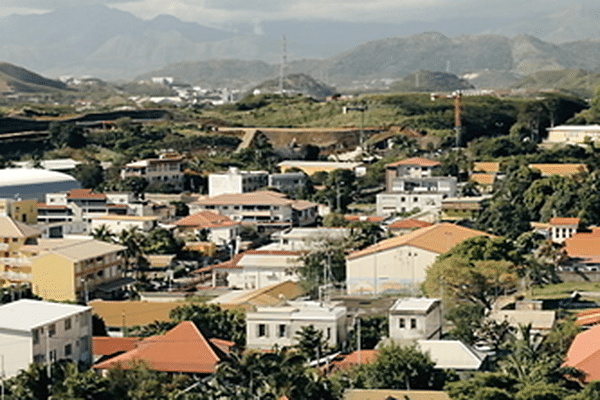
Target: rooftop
74	249
10	228
564	221
451	354
206	220
584	353
418	161
182	349
489	167
132	313
436	238
421	304
409	224
27	314
27	176
583	244
85	194
253	198
107	345
559	169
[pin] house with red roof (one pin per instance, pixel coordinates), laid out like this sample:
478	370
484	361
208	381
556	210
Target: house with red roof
411	183
400	263
584	354
404	226
183	349
583	253
563	228
219	229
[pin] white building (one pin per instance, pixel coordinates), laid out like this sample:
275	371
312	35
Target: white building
400	263
277	326
33	183
118	223
167	169
299	239
33	331
411	184
572	134
415	318
563	228
236	181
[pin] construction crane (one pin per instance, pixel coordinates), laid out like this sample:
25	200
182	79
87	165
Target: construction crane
457	96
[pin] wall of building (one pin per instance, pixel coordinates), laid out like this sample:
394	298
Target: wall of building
398	269
389	203
16	348
53	277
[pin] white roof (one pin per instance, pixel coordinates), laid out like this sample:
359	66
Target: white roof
414	304
26	314
58	164
30	176
294	163
451	354
575	128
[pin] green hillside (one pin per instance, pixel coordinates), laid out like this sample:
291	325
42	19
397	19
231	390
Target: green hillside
17	79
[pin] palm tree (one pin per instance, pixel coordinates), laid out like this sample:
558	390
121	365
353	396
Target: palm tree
104	234
133	240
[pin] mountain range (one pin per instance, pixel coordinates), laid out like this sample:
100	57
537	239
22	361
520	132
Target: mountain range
115	45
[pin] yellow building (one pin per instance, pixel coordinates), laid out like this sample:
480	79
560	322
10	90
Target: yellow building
20	210
71	269
14	268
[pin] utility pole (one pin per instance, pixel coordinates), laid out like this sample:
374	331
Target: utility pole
457	96
358	340
283	65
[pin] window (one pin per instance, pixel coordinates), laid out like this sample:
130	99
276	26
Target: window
68	349
67	324
262	330
413	323
416	200
85	341
51	330
401	323
39	358
282	331
36	336
52	355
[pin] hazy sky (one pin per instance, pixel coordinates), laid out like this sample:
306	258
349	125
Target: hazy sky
222	12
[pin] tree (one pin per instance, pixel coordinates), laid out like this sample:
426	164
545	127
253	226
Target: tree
103	233
135	184
310	342
161	241
324	263
133	240
483	386
466	320
478	282
66	135
89	174
402	368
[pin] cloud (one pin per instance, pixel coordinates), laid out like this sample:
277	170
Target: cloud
54	4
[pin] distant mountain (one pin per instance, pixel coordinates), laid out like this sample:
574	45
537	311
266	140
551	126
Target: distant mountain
17	79
297	83
427	81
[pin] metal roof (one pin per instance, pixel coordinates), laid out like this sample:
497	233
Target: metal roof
27	314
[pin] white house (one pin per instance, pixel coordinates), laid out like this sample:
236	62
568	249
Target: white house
400	263
220	228
118	223
33	331
236	181
277	326
415	318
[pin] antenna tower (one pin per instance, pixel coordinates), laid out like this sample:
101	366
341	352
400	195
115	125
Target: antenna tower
283	65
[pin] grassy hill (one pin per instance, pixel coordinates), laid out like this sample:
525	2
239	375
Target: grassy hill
17	79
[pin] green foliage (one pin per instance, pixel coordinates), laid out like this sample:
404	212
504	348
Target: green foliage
340	188
89	174
325	262
311	342
483	385
466	319
399	367
66	135
213	321
372	329
161	241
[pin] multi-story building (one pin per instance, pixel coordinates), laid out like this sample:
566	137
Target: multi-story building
219	229
277	326
13	236
74	269
166	169
264	208
415	318
572	134
236	181
287	182
412	184
21	210
118	223
33	331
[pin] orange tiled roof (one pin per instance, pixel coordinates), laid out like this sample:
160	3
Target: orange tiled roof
224	345
107	345
564	221
559	169
409	224
588	317
367	218
584	353
206	220
366	356
182	349
420	161
436	238
85	194
584	244
483	179
50	206
489	167
303	205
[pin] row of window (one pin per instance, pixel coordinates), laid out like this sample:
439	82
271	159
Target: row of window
402	323
282	330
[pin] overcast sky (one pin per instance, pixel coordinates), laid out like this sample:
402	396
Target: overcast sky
222	12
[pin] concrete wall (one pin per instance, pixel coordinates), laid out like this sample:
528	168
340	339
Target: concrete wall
16	348
398	269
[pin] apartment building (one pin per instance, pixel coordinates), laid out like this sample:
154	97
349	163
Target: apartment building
412	184
236	181
13	236
33	331
21	210
166	169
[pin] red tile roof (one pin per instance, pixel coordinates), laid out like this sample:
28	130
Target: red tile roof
588	317
106	345
483	179
584	354
409	224
182	349
559	169
584	244
366	357
50	206
205	220
489	167
564	221
436	238
85	194
367	218
253	198
420	161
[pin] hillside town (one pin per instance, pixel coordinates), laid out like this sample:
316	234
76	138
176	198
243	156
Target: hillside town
370	262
